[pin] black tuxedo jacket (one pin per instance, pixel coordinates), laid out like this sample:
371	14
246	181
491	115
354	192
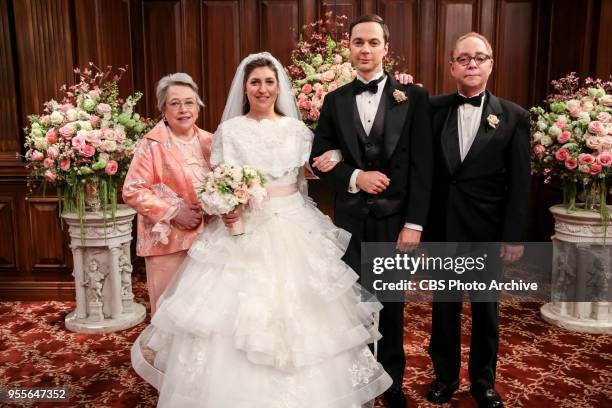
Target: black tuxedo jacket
408	152
485	197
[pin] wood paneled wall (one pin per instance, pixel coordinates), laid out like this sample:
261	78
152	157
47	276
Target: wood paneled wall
41	41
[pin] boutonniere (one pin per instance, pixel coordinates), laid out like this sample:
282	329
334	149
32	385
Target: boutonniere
493	121
399	96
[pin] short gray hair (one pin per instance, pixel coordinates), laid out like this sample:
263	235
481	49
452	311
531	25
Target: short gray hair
178	78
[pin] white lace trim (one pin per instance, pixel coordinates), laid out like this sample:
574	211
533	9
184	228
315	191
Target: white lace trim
273	147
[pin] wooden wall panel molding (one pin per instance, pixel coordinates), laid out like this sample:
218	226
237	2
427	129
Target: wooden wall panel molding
349	8
9	121
48	245
45	50
221	31
402	17
455	17
513	50
280	28
8	226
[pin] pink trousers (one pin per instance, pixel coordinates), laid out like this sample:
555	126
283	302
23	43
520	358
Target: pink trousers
160	271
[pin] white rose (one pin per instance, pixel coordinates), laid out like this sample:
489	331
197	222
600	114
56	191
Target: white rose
72	115
546	140
606	100
57	117
572	104
542	125
108	146
537	136
554	131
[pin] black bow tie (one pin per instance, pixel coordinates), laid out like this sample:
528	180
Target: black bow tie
474	100
371	86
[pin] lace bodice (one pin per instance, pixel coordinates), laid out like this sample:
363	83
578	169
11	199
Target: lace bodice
276	148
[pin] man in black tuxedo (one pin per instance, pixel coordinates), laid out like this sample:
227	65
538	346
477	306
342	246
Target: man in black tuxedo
481	189
383	131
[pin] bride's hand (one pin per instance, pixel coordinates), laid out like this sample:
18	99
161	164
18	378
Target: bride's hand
230	218
324	162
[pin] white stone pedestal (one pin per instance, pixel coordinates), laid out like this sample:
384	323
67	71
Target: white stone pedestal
582	270
103	273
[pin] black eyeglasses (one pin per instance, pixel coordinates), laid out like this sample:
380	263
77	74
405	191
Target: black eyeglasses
478	59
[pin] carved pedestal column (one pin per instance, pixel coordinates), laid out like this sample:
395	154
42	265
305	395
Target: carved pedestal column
103	273
582	271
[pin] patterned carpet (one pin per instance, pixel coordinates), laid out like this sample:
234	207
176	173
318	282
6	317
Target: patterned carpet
539	365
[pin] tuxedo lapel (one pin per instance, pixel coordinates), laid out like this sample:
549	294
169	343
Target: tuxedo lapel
485	131
395	117
345	109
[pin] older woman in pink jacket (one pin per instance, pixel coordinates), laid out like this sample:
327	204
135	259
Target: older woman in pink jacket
166	171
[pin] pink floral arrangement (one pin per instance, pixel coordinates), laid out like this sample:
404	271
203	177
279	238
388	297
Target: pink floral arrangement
228	187
87	139
572	139
321	63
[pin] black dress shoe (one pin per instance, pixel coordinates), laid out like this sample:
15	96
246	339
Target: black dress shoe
440	393
395	398
488	398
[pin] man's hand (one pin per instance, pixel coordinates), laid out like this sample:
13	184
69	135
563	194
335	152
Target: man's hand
189	216
324	162
230	218
408	240
511	253
372	182
404	79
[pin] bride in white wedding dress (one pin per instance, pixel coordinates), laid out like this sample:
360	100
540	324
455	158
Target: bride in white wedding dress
273	317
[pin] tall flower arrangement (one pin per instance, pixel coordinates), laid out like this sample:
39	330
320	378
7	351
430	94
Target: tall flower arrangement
84	143
321	63
572	139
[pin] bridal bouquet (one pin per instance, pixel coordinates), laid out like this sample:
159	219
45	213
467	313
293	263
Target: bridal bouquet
321	63
572	139
84	143
227	187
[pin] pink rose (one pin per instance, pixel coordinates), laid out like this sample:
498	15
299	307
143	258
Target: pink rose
51	135
94	120
103	109
65	164
571	164
37	156
596	127
604	117
562	154
564	137
66	107
48	162
88	150
78	142
307	88
52	153
320	92
575	112
111	167
50	176
108	134
67	131
337	59
304	104
539	149
593	142
93	138
605	159
585	158
595	169
45	120
332	86
314	114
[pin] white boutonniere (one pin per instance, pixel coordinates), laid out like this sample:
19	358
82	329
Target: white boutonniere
399	96
493	121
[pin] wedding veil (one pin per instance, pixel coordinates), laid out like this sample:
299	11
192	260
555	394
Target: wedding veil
285	102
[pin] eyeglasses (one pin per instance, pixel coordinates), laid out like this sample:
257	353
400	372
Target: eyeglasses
479	59
188	104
